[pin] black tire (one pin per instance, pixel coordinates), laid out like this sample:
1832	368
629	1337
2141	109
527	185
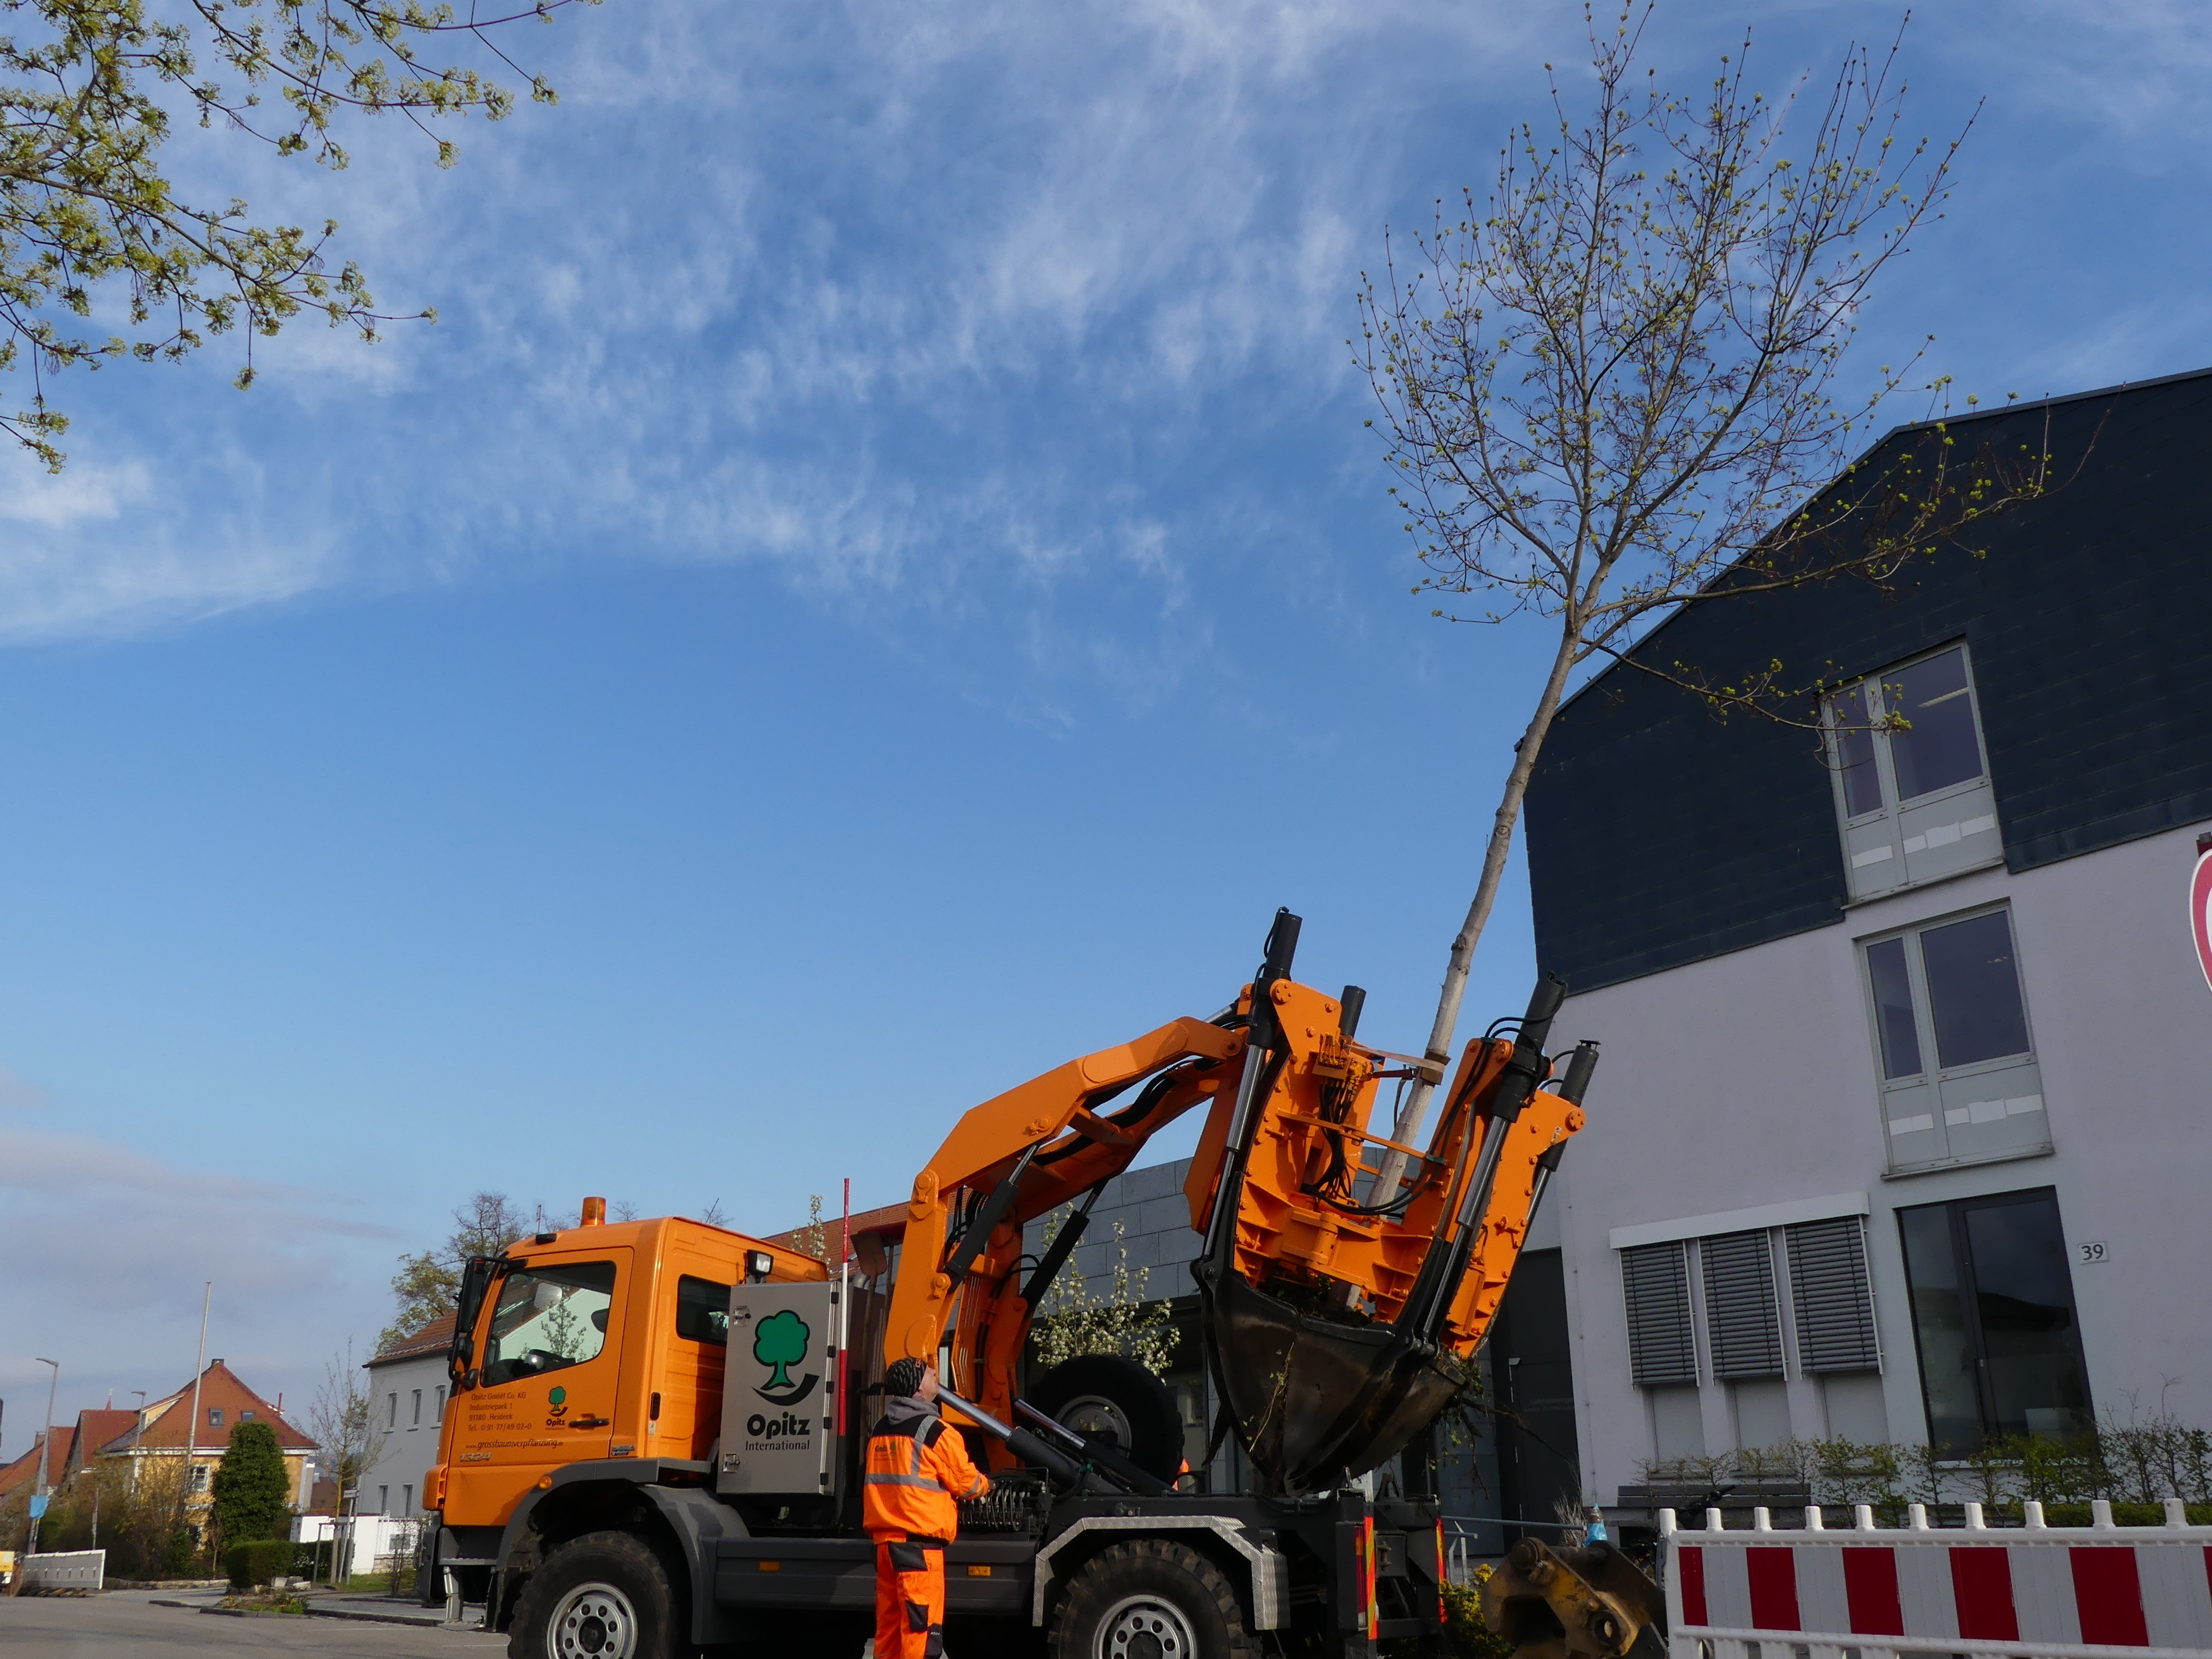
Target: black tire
1120	1400
604	1596
1151	1599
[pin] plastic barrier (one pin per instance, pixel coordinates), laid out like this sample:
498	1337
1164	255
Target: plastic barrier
2032	1592
77	1570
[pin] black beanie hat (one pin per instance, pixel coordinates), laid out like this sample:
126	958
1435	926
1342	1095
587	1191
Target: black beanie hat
904	1376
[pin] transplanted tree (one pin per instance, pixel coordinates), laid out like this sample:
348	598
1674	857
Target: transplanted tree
92	226
1614	388
252	1488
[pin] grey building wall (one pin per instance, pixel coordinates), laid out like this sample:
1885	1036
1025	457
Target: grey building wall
1748	1080
1658	834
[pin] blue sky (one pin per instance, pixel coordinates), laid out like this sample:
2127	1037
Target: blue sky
876	583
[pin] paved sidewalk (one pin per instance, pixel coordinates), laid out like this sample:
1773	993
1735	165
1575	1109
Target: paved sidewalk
133	1623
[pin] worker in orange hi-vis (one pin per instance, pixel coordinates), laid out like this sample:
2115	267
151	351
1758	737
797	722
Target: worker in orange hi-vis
918	1474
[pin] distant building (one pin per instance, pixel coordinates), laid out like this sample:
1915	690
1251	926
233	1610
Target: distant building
407	1385
1898	1132
22	1474
166	1431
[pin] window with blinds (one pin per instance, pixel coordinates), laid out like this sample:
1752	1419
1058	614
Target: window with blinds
1662	1346
1743	1316
1832	1297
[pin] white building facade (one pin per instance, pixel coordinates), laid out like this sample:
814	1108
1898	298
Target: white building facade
1900	1132
407	1387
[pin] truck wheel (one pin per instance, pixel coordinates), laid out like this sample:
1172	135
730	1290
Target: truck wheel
604	1596
1119	1401
1150	1599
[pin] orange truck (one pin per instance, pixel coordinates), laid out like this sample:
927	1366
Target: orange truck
655	1429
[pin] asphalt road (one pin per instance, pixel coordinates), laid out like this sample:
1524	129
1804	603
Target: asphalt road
124	1622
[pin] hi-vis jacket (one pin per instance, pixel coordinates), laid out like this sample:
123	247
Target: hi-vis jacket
918	1472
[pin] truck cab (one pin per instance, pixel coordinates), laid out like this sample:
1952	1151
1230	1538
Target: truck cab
600	1344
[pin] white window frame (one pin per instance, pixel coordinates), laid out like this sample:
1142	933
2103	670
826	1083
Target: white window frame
1928	1089
1882	863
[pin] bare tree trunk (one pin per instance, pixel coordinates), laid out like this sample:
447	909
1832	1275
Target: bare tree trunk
1494	859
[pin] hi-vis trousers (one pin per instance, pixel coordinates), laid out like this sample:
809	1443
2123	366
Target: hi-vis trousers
910	1598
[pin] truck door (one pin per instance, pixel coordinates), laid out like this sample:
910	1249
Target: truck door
550	1362
690	1384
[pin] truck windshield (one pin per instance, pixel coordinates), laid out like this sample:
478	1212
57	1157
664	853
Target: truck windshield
548	1318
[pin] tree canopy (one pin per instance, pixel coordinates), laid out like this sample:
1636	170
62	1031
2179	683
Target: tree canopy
93	230
252	1489
1613	385
428	1281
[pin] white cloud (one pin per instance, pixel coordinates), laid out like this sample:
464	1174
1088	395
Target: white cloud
102	1228
915	303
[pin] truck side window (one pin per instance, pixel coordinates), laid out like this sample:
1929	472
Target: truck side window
703	1310
548	1318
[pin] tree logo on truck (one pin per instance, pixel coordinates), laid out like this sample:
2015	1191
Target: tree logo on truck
780	1342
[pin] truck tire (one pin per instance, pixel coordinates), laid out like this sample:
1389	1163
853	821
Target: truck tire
603	1595
1119	1401
1151	1599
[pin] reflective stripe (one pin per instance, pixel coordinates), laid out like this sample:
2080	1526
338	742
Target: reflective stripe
904	1480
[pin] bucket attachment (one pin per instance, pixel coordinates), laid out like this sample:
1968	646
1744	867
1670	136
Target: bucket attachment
1587	1603
1316	1402
1343	1318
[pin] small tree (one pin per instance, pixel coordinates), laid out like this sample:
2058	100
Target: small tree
1612	389
252	1488
813	1238
342	1420
1074	1320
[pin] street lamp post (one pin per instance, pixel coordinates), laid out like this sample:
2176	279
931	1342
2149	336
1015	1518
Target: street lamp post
45	1458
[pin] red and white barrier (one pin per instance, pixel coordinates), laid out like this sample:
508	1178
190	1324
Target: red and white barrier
2037	1592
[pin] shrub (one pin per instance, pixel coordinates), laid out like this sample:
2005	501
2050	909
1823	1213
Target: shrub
1466	1636
250	1485
262	1561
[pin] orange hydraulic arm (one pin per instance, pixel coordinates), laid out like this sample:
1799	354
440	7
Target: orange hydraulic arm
1013	1158
1289	1092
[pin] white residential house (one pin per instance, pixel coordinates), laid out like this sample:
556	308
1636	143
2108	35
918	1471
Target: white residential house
407	1388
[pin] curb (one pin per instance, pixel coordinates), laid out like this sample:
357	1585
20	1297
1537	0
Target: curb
313	1612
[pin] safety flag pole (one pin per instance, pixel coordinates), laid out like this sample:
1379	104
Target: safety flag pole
845	1295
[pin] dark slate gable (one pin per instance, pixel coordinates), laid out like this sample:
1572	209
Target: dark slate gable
1659	835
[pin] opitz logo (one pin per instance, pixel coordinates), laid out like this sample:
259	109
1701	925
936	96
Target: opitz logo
780	1342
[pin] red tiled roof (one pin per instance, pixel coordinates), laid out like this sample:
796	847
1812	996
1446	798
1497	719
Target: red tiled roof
96	1430
890	1219
24	1471
434	1337
221	1390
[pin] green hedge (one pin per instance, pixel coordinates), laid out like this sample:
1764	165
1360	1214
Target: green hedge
2124	1515
260	1562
